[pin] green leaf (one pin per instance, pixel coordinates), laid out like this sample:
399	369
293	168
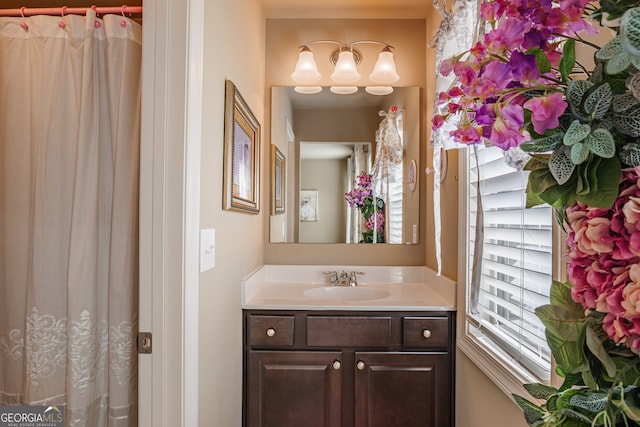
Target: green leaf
592	401
560	165
629	405
563	322
579	153
560	294
532	412
542	145
575	93
630	31
568	59
540	391
544	66
598	101
534	199
576	133
600	142
628	122
618	63
597	348
611	49
607	175
568	354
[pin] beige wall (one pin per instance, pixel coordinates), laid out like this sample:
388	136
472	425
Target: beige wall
328	176
233	49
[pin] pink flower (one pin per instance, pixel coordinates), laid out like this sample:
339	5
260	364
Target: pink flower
545	111
446	67
631	293
494	78
467	134
508	35
375	222
437	121
506	130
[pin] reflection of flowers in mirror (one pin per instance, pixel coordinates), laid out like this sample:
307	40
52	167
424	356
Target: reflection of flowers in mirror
371	207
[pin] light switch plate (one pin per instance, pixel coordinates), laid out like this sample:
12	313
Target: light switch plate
207	249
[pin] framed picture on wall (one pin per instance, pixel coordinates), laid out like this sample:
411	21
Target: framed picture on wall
241	179
278	173
308	205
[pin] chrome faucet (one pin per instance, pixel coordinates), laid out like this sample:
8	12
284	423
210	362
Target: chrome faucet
333	277
343	278
353	279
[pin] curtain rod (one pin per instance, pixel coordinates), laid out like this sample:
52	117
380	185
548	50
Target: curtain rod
64	10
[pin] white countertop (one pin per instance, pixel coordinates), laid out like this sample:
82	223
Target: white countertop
282	287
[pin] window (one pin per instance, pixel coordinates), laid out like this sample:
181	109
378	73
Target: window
513	269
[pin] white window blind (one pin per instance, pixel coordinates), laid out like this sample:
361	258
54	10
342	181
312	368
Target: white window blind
515	263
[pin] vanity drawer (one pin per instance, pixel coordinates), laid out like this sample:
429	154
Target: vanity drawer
426	332
348	331
270	330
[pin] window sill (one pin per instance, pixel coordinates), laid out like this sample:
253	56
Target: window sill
508	375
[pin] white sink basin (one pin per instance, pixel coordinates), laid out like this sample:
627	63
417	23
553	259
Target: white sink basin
345	293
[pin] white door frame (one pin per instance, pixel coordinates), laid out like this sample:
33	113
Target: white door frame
173	37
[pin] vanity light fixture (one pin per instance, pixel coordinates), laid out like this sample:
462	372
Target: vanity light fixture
345	60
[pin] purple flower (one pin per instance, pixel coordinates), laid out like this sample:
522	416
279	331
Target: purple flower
524	67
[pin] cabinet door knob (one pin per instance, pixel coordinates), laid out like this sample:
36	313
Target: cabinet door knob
360	365
336	365
426	333
271	332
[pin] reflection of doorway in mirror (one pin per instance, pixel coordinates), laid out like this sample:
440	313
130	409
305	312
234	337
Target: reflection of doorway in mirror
308	205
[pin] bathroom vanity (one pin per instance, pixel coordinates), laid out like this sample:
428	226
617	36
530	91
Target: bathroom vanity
380	356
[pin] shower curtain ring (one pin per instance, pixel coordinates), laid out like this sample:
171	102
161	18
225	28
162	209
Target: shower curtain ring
123	10
61	23
23	24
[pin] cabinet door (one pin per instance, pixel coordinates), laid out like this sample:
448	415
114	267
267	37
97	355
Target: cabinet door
294	389
403	389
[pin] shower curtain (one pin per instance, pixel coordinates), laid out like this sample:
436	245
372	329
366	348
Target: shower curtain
69	165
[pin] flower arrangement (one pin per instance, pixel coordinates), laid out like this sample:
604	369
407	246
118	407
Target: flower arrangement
521	87
371	207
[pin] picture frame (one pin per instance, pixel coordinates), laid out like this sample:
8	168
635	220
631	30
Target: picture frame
241	169
309	205
278	181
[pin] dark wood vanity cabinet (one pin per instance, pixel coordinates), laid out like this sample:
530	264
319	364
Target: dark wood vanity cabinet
360	369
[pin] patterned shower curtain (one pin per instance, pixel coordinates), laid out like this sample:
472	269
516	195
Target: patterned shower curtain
69	165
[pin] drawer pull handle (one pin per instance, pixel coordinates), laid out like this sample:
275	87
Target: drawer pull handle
360	365
426	333
271	332
336	365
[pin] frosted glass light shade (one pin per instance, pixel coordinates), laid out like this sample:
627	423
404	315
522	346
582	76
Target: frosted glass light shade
343	90
308	90
385	69
345	70
379	90
306	69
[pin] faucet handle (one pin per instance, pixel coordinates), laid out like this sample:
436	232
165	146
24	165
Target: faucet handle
353	279
333	276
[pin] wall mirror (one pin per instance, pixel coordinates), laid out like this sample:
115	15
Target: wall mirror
329	140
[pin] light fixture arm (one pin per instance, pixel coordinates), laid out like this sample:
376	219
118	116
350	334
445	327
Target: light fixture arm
346	45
